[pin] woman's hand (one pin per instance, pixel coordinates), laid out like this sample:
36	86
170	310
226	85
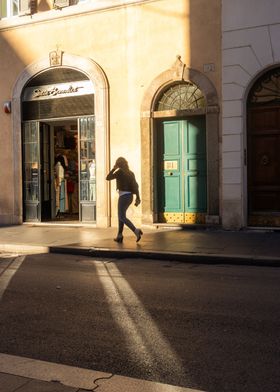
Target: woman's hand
137	201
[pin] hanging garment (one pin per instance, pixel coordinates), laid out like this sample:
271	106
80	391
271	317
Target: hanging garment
62	196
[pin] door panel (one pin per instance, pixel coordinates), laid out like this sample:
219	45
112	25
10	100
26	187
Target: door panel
265	164
87	168
171	193
45	172
195	165
31	171
173	199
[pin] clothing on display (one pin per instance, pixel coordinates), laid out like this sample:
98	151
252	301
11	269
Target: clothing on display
66	174
92	181
60	189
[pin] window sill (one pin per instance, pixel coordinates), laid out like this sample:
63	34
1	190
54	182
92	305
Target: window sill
73	10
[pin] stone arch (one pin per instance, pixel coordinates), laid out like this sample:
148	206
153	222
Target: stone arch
261	101
179	72
94	72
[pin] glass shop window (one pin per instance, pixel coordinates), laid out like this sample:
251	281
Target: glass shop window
9	8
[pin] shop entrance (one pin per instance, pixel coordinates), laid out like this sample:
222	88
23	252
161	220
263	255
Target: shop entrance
59	170
58	139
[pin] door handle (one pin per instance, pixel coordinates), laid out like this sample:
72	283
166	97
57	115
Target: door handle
171	174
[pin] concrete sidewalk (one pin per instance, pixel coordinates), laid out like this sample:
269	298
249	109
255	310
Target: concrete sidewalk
30	375
248	247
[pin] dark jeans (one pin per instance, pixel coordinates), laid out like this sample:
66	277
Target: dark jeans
123	204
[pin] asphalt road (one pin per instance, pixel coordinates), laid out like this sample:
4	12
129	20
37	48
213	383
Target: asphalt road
214	328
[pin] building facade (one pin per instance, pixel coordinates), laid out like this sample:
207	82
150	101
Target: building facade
85	82
251	113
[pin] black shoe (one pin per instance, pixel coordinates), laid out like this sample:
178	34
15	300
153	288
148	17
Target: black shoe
119	238
138	233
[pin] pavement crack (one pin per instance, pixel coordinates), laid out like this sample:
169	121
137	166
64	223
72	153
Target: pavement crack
99	379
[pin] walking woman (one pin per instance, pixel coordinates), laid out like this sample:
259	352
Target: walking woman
126	186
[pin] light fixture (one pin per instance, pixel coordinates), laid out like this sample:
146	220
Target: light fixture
7	107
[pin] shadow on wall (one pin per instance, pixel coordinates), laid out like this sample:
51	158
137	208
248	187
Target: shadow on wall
205	57
11	50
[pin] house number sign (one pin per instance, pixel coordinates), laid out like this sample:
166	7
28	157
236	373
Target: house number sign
170	165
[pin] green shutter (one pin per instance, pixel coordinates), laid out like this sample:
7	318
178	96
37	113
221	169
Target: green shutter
61	3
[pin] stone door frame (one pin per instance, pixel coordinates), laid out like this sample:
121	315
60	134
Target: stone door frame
94	72
245	208
179	73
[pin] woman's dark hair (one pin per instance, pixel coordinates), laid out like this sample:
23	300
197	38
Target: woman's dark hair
122	164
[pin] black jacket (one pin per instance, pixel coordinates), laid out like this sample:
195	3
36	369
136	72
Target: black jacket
125	181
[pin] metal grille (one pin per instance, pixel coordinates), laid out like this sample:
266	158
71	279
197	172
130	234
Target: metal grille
181	97
266	90
60	107
57	75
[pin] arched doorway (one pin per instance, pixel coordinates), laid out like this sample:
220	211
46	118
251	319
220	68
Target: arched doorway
263	144
180	104
181	155
59	152
91	74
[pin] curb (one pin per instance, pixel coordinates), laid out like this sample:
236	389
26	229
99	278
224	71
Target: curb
24	249
187	257
70	376
198	258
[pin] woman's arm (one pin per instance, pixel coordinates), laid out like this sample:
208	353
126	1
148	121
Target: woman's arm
136	191
112	174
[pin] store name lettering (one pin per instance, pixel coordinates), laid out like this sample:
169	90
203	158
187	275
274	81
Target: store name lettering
54	91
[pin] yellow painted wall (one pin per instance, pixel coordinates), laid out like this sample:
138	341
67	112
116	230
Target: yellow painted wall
132	44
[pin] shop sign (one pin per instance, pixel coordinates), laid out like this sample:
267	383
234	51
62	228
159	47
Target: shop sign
61	90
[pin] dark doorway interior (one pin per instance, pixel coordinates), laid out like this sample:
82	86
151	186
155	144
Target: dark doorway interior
64	164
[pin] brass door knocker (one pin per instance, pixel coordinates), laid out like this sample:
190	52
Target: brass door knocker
265	160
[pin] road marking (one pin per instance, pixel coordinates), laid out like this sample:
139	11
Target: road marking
7	274
80	378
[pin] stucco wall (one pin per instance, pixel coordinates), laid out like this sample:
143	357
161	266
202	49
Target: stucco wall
132	44
250	45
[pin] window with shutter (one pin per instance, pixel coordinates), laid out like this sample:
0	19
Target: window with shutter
4	9
27	7
61	3
9	8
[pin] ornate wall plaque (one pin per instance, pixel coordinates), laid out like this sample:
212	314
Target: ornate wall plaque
55	58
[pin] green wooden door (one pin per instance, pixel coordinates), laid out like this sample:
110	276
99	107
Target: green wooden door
182	170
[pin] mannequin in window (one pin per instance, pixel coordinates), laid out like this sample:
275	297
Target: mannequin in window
92	181
62	159
59	189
